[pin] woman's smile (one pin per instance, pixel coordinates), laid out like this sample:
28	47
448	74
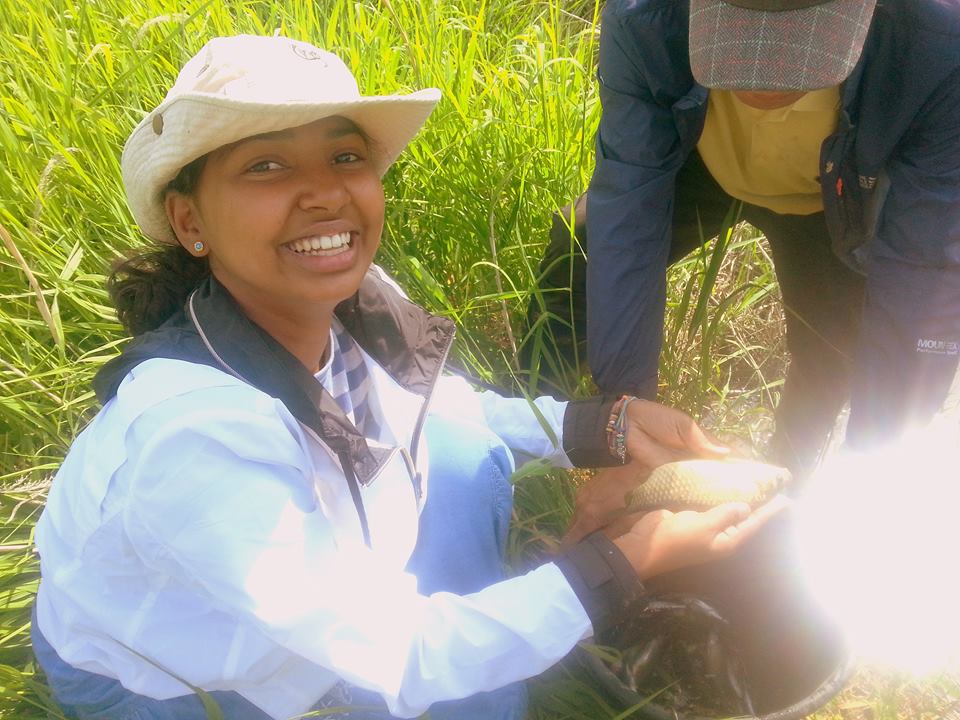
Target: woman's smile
325	245
319	259
324	251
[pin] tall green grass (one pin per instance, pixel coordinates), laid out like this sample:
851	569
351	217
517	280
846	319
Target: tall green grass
469	207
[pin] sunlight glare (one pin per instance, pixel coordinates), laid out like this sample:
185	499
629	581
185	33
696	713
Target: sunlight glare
879	541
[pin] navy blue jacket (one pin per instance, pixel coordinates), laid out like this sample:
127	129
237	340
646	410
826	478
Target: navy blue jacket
891	189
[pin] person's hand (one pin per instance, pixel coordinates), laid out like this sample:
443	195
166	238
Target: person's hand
656	434
661	541
602	499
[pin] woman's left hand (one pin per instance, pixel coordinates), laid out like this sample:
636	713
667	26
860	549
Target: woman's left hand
602	499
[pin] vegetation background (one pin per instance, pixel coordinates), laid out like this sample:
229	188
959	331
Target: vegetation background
469	206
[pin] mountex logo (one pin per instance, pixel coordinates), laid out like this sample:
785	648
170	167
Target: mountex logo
938	347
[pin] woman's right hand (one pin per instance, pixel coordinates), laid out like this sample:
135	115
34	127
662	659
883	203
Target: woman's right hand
661	541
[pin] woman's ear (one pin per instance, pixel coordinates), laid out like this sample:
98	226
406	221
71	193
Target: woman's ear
184	218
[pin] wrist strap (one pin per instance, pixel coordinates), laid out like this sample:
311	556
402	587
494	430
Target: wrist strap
602	578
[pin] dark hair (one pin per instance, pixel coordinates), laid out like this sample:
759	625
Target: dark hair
148	287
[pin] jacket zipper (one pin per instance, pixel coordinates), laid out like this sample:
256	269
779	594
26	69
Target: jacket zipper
421	418
346	463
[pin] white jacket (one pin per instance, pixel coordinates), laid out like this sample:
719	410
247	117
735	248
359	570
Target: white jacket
198	531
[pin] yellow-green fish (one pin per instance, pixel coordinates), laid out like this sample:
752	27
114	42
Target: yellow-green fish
703	484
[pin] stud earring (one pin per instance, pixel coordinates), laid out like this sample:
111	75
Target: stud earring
198	246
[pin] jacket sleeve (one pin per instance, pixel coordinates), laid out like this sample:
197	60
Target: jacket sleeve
629	211
564	433
223	503
910	339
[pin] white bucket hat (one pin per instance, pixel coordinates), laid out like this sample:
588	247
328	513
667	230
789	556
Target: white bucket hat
245	85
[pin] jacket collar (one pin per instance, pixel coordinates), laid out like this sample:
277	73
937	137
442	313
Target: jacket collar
404	339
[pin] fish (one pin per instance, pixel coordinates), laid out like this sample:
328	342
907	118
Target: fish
703	484
639	662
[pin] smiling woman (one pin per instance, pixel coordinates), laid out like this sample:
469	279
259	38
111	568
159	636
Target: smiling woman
284	503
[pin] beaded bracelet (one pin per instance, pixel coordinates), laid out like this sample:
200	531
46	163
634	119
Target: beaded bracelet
612	425
617	428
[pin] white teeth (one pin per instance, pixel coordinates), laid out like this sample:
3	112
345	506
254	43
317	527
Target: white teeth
319	243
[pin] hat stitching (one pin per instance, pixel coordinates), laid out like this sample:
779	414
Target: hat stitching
760	43
813	31
713	55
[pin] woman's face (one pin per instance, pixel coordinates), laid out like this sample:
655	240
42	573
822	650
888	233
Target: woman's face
291	219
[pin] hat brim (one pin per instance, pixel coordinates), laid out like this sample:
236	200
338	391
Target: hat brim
735	48
192	125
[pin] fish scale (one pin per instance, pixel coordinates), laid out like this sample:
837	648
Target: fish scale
703	484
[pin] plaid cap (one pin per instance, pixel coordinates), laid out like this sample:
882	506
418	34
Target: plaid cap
776	44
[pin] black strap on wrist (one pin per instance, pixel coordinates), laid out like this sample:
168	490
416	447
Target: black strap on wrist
602	579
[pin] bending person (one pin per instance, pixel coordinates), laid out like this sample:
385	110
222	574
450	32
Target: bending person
837	124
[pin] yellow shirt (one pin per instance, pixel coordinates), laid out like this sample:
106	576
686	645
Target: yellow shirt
769	158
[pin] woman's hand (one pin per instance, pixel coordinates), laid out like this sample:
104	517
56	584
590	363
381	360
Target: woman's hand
656	434
662	541
602	499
